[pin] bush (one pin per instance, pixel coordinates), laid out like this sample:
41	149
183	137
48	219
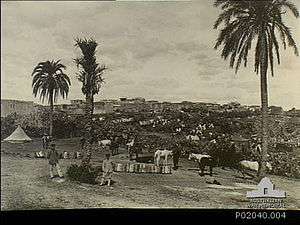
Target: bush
285	164
83	174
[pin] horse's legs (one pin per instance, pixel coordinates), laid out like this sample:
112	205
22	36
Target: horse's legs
210	168
157	160
202	170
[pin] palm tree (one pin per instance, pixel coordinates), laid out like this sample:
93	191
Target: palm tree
261	21
49	81
90	75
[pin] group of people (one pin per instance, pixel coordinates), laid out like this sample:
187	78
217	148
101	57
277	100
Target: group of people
53	160
107	165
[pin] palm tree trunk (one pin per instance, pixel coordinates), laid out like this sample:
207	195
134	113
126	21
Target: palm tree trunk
51	114
92	104
88	129
264	109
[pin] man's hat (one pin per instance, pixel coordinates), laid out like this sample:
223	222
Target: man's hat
107	154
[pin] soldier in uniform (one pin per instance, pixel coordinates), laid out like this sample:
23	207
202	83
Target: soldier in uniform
53	157
107	168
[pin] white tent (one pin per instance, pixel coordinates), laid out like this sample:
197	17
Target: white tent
18	136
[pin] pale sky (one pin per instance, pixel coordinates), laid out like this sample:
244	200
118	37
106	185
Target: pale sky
156	50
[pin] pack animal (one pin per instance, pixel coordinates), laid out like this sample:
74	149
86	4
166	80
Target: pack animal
104	143
162	154
203	160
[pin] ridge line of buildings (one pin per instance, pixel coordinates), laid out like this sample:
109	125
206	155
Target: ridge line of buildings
131	105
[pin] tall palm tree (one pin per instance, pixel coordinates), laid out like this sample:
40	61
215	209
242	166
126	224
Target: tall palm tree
49	81
261	21
90	75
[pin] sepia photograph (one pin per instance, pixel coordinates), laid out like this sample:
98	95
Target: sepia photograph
151	105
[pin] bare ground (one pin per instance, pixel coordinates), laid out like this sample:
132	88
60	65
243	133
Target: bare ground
25	185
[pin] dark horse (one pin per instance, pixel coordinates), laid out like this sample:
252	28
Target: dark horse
206	161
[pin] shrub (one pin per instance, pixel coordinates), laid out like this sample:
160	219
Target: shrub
83	174
285	164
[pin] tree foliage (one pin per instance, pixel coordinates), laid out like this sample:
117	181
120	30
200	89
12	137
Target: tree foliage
90	74
50	81
246	21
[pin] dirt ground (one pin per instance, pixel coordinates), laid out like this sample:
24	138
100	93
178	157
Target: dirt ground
25	184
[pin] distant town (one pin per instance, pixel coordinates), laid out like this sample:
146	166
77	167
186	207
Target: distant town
150	105
133	105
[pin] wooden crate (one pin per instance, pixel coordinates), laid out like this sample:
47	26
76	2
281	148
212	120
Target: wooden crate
131	168
136	168
166	169
149	168
141	168
157	169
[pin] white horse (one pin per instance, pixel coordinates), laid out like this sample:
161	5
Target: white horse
162	153
104	142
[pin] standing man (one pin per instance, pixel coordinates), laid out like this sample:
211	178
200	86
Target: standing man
233	155
53	157
176	155
107	168
48	140
130	147
44	140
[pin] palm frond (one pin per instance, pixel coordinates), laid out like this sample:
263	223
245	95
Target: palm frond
46	76
90	72
246	21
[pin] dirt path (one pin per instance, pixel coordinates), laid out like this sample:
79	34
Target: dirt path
25	185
